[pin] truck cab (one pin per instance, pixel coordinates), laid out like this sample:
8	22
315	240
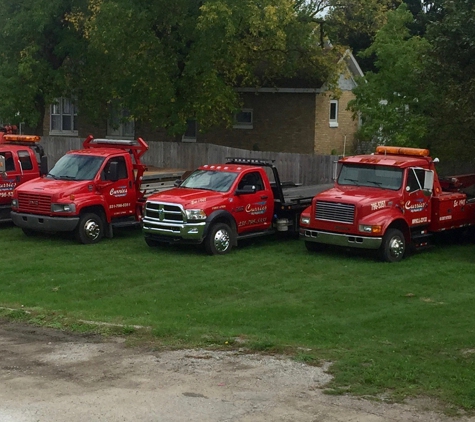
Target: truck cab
88	192
21	159
385	202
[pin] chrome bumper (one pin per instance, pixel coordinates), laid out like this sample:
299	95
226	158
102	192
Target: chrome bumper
174	231
338	239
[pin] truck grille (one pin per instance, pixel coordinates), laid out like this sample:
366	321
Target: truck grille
334	211
36	204
164	213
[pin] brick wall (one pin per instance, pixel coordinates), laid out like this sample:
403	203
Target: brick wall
282	122
331	140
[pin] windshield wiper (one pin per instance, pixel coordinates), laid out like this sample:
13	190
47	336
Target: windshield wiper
52	176
66	177
355	181
375	183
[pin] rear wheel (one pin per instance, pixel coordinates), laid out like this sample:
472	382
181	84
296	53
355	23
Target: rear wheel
219	239
393	247
90	229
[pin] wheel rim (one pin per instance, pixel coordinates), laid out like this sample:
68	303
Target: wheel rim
92	230
396	247
222	240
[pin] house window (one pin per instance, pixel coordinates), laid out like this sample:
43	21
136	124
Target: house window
244	119
120	124
333	113
191	131
63	117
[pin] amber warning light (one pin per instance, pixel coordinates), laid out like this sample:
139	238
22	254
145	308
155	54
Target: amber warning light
21	138
418	152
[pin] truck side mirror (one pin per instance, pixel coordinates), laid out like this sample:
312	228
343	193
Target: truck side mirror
246	190
177	183
43	165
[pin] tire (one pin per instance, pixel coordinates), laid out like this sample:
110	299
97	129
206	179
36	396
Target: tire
315	247
393	247
90	229
29	232
219	240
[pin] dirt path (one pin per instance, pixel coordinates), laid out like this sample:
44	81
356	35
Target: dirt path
52	376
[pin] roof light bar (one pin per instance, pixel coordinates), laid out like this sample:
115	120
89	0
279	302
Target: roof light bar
21	138
417	152
113	141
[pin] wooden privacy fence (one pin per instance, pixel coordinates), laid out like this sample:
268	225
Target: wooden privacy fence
306	169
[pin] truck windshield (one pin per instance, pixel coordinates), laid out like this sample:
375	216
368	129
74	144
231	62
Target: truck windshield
219	181
383	177
76	167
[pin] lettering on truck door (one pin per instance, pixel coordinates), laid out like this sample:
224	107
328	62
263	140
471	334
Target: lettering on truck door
120	196
253	211
9	175
417	196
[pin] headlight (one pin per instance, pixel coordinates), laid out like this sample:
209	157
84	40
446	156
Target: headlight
195	215
63	208
369	229
305	220
14	203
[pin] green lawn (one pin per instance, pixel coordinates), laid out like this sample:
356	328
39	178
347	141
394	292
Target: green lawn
390	329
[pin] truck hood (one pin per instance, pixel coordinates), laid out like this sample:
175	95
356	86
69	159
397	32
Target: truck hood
358	196
58	188
188	198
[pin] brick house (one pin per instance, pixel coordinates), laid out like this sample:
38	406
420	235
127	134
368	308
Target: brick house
288	119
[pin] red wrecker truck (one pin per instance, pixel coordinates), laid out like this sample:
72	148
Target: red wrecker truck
387	201
222	203
21	159
89	191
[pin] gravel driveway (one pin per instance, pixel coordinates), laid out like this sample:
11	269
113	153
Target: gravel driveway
52	376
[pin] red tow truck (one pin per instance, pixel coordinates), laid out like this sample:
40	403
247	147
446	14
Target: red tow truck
387	202
222	203
88	191
21	159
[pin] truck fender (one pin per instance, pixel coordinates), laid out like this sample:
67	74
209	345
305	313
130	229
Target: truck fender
385	218
221	216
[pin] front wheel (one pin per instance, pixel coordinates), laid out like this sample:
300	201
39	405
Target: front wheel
393	247
90	229
219	239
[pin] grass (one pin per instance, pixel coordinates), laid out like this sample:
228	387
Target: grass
392	330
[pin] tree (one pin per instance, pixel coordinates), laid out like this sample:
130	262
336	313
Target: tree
167	62
354	23
40	57
393	102
451	68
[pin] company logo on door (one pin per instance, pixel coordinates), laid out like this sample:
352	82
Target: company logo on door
120	191
415	207
259	208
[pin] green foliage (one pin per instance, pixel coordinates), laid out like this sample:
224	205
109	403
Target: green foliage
168	62
393	101
41	53
451	67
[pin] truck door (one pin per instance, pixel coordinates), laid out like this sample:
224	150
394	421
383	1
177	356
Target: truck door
120	195
253	211
418	195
